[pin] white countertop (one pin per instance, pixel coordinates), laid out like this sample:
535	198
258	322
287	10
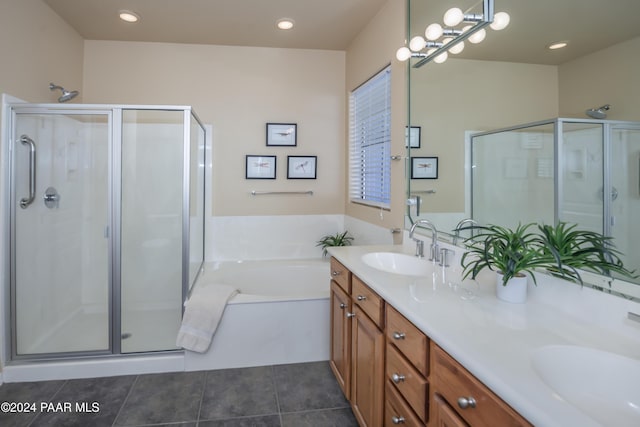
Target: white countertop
494	340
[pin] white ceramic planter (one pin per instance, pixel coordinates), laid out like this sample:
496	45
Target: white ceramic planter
515	291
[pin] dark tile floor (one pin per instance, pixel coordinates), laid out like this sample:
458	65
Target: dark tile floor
300	395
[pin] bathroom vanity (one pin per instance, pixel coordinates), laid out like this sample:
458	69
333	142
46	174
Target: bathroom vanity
420	350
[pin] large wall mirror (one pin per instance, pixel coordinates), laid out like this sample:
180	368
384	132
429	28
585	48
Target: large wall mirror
512	81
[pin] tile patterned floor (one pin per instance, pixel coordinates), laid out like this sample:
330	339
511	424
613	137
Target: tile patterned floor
297	395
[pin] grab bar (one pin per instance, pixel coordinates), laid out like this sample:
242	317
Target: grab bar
261	193
25	202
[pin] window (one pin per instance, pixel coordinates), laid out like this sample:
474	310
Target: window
370	141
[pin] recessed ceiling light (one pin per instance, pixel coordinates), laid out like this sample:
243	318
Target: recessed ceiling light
128	16
285	24
557	45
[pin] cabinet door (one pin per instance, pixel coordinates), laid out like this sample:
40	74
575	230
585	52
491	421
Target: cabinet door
443	416
340	361
367	370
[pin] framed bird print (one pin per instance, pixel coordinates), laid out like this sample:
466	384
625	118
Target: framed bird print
260	167
302	167
424	168
282	134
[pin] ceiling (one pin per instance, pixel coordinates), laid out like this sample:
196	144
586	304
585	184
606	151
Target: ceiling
588	25
319	24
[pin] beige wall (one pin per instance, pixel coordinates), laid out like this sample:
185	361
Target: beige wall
239	90
370	52
466	95
37	47
609	76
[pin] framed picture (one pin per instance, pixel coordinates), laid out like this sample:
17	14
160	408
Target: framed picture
412	136
424	168
282	134
302	167
260	167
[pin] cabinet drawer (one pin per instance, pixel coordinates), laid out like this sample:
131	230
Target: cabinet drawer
452	381
408	381
396	410
409	340
368	301
341	275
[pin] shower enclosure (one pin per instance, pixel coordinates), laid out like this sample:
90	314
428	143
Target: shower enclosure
105	227
585	172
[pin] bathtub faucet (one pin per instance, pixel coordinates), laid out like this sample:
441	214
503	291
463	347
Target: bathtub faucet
434	254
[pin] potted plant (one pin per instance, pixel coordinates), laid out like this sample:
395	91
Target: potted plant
339	239
562	250
511	253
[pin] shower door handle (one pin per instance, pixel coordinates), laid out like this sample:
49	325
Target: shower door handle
26	201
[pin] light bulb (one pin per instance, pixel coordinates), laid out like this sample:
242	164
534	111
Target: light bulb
500	21
456	48
440	58
417	44
453	17
403	54
285	24
478	36
433	32
128	16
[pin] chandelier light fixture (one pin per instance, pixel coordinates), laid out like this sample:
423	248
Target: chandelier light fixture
440	40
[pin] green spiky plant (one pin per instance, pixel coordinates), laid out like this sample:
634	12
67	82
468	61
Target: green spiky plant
562	250
511	252
339	239
573	250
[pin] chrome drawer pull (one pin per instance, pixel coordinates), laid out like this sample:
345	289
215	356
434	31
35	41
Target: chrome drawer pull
350	315
397	420
335	273
343	306
466	402
398	335
361	298
397	378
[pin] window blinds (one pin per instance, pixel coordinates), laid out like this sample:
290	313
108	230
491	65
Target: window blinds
370	141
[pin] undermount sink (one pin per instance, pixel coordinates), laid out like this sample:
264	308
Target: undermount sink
603	385
392	262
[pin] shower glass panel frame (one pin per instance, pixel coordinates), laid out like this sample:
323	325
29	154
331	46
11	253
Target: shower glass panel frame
574	170
187	216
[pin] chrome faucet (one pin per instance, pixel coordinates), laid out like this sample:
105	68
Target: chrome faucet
456	230
434	254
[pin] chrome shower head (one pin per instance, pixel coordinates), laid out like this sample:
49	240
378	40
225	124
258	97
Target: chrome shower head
598	113
66	95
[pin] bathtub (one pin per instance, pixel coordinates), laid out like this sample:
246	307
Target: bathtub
281	314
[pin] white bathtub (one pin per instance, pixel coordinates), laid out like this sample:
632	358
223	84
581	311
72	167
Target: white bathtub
281	314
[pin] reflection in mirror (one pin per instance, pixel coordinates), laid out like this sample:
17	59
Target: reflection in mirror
514	180
511	78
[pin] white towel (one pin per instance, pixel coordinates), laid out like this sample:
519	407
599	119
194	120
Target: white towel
203	311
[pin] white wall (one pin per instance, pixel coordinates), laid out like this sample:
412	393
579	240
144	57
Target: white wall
372	50
239	90
608	76
37	47
467	95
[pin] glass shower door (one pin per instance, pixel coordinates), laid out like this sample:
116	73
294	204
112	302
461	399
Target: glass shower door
625	192
60	233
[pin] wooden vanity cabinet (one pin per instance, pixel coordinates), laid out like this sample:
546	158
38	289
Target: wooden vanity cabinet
407	367
460	399
393	374
340	353
357	344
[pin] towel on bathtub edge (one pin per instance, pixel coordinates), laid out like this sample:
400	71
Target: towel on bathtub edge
202	314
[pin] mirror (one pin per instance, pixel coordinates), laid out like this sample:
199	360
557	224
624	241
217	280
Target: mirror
511	79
